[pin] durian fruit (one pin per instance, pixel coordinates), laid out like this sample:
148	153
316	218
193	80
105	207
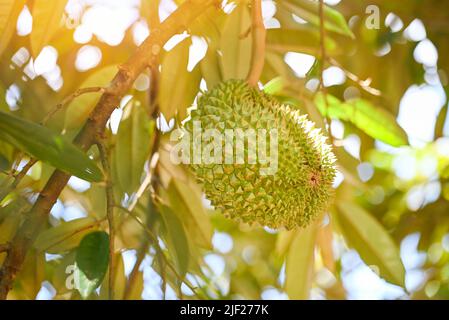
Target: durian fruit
296	193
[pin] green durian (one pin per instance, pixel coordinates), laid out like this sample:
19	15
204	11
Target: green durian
301	187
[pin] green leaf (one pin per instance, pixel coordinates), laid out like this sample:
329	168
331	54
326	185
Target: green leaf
177	241
92	259
309	11
300	264
297	40
210	68
9	12
48	146
274	86
178	87
375	246
32	275
47	16
78	111
236	43
133	147
187	204
374	121
65	236
284	241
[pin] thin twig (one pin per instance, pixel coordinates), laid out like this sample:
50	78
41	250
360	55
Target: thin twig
36	219
110	204
364	84
259	34
17	179
68	100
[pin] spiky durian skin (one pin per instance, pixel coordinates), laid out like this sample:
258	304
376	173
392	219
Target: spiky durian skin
298	192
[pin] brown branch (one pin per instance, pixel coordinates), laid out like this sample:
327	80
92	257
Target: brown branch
122	82
110	203
259	43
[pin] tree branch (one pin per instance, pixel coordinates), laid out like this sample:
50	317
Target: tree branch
259	34
94	127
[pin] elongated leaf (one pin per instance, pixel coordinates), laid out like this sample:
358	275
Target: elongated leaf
8	228
66	236
47	16
48	146
63	277
9	12
176	240
235	44
186	202
304	41
372	242
133	147
210	68
32	275
300	264
374	121
119	280
78	111
284	241
92	259
178	87
309	11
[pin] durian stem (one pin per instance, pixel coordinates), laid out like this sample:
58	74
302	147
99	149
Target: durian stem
128	72
259	34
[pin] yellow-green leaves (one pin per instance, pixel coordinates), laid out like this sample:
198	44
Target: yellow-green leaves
297	40
92	259
374	121
309	11
372	242
9	12
235	44
186	202
65	237
210	68
300	263
47	16
132	148
176	240
78	111
178	87
48	146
